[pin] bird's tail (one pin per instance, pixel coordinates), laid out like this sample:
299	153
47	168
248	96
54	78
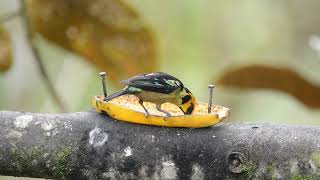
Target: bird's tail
117	94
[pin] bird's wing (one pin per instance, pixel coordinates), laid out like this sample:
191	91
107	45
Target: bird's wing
156	82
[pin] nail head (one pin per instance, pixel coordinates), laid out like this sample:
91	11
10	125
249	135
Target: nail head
102	73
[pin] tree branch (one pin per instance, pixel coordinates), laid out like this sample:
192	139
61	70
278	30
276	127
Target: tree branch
88	145
10	16
37	56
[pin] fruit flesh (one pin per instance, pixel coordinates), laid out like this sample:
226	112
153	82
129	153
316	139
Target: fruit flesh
131	101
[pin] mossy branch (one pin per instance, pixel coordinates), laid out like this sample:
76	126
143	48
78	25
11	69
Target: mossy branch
88	145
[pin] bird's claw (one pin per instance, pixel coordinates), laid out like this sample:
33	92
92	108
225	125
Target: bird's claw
166	116
146	114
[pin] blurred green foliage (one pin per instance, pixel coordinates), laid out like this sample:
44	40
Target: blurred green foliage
198	41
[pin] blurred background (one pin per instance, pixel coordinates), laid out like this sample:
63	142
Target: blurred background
263	56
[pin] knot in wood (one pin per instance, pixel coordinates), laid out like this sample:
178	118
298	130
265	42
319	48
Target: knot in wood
236	161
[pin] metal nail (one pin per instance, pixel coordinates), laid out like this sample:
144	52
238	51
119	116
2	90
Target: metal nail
211	87
103	79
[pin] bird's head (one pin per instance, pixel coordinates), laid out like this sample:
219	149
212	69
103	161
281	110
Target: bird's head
187	101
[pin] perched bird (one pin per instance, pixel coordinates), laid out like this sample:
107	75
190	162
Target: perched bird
158	88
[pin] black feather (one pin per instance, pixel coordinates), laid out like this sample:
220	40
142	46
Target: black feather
186	99
156	82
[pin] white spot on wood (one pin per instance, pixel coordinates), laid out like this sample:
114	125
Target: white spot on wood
168	171
156	172
110	174
197	172
48	163
143	171
15	134
97	138
67	125
45	155
55	132
113	173
153	138
313	166
127	151
294	166
47	127
23	121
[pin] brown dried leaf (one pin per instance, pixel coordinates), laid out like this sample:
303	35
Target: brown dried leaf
107	32
281	79
5	50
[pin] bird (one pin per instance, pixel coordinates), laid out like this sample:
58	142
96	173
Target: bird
158	88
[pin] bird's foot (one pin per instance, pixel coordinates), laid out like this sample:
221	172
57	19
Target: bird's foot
168	115
146	114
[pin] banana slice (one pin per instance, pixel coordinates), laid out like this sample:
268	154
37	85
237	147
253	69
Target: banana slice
127	108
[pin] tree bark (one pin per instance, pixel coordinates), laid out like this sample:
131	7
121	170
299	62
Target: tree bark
88	145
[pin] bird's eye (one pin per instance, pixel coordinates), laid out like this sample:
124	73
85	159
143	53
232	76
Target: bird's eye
186	99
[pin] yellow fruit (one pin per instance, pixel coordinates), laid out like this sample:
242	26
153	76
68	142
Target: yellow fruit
127	108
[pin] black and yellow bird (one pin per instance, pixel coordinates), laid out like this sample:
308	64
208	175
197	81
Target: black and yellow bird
158	88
